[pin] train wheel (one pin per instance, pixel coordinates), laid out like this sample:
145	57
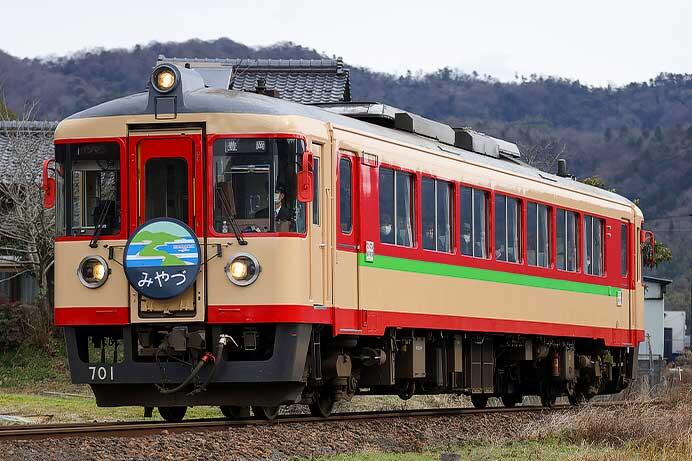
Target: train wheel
173	414
235	412
510	400
479	401
322	406
548	400
576	398
267	413
406	389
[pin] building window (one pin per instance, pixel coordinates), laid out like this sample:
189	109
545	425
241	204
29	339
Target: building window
437	212
507	229
566	237
345	196
537	235
624	270
593	245
396	205
474	206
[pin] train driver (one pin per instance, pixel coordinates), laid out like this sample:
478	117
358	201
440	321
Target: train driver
282	213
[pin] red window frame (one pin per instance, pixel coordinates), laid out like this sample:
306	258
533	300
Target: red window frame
392	249
209	219
552	234
489	221
124	182
347	241
604	251
453	225
522	229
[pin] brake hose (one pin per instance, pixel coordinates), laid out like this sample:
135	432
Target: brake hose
223	341
206	358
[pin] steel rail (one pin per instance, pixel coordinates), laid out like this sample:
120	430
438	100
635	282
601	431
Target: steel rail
141	428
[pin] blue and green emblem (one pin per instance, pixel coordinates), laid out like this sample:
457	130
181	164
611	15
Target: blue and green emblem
162	258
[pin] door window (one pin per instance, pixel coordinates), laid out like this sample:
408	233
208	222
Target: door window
345	196
166	193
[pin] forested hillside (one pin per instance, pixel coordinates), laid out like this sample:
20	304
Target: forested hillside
638	137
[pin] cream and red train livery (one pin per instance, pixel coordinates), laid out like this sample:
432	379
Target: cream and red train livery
219	247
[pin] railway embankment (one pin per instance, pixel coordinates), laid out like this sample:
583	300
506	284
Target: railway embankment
639	428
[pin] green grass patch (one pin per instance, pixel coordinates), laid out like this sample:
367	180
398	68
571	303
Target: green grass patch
76	409
29	368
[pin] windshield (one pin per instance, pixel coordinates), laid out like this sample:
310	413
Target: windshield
88	188
255	182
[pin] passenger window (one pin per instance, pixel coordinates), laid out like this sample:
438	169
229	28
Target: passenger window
473	222
566	237
537	235
593	245
436	216
396	202
345	196
507	229
624	270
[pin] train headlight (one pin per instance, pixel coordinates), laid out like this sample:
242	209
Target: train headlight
243	269
93	271
164	79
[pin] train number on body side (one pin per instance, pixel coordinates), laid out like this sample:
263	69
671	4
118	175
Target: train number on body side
101	373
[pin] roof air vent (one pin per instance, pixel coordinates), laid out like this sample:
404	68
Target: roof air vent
483	144
425	127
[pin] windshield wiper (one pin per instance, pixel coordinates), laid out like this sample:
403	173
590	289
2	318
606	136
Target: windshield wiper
231	216
99	225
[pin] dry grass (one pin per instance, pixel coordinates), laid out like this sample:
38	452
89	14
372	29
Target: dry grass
643	427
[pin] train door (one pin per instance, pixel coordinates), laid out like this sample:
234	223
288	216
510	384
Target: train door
347	314
626	270
318	233
167	184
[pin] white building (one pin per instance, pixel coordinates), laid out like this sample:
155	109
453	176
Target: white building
674	338
651	349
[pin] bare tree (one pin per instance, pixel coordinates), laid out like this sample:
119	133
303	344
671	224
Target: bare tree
26	228
544	154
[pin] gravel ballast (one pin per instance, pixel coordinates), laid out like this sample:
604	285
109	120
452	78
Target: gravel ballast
282	441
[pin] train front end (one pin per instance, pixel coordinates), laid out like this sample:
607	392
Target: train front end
184	248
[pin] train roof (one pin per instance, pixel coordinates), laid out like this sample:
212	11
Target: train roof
193	95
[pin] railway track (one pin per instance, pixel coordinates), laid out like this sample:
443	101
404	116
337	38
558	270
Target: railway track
140	428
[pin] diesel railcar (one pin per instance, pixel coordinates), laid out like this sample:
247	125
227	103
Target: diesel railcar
232	248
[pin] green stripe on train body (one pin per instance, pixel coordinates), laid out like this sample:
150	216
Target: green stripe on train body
472	273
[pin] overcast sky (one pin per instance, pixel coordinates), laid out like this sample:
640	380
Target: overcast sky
597	42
